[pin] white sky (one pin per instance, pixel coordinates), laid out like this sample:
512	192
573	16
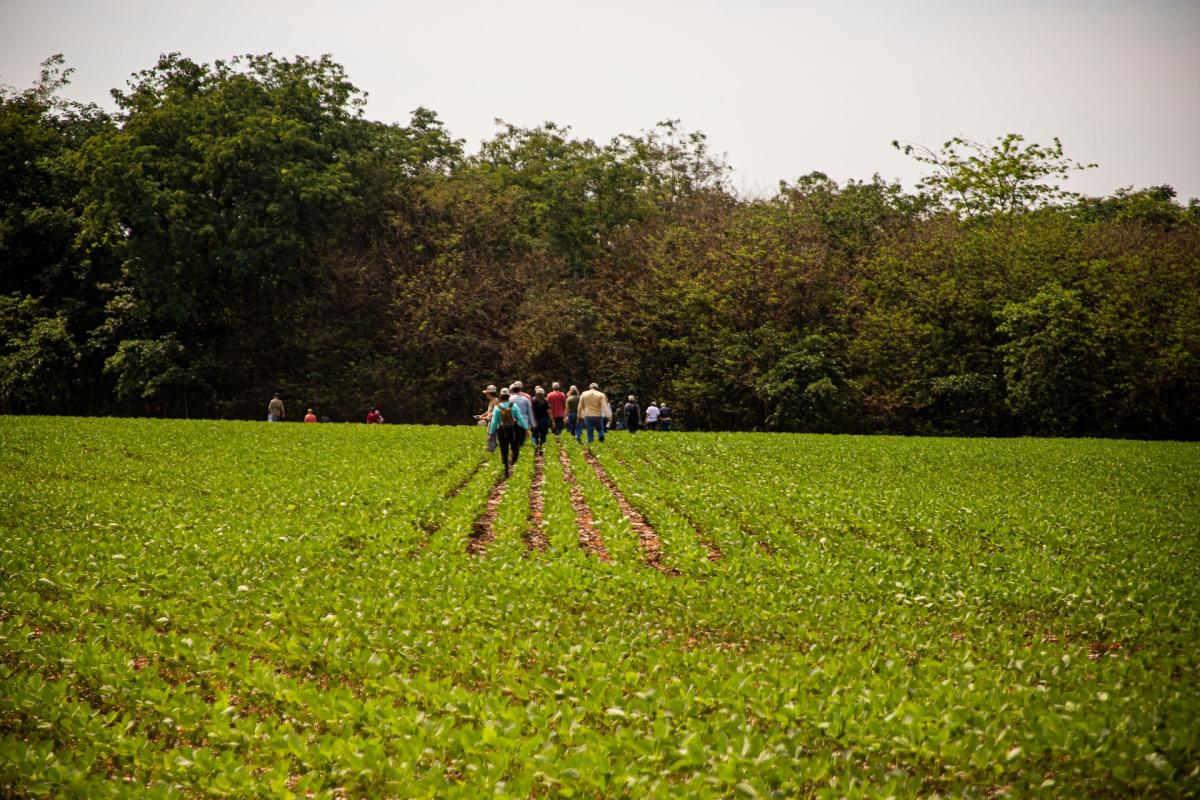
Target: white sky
782	88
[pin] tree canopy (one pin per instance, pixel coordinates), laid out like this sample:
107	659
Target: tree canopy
241	227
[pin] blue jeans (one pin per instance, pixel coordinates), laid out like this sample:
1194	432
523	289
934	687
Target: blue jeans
594	424
272	418
573	427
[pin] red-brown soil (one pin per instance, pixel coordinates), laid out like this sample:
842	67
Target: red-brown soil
482	532
535	539
589	539
647	536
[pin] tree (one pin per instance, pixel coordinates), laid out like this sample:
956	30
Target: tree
576	194
213	194
153	369
38	356
806	388
1052	367
49	281
976	179
1154	205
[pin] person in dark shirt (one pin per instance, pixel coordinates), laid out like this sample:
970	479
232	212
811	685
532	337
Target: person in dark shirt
633	415
664	417
541	418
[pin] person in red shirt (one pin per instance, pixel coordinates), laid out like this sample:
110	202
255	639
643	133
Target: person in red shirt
374	417
558	408
310	416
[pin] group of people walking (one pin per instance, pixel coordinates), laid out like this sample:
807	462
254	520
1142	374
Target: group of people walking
513	415
277	413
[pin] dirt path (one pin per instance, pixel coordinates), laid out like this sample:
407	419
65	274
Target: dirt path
647	536
482	532
588	538
535	539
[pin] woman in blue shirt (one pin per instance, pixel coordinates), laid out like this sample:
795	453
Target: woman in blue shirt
509	425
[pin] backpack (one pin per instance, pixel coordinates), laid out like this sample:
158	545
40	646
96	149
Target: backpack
507	420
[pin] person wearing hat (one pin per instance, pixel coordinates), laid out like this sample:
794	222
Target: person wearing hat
633	415
490	393
485	418
508	426
525	403
593	407
558	408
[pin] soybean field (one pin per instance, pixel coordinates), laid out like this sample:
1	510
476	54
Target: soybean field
235	609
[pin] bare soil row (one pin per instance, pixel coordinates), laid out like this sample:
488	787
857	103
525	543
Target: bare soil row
483	532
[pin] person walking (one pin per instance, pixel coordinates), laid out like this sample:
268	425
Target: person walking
524	402
574	426
508	425
558	408
652	416
541	418
485	419
593	407
633	415
492	401
664	417
374	417
310	416
275	412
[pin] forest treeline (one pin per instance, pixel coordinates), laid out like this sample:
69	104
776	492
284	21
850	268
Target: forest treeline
241	227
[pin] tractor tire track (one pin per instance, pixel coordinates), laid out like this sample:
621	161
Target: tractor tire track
758	538
428	526
647	536
455	490
535	539
714	552
589	539
483	530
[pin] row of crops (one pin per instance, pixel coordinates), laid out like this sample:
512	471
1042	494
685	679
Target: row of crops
237	609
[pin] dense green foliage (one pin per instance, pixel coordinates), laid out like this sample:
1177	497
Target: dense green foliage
240	227
239	608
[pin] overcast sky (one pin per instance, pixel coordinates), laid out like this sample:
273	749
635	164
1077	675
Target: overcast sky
782	88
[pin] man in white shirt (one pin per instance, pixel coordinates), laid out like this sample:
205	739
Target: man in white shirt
652	416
